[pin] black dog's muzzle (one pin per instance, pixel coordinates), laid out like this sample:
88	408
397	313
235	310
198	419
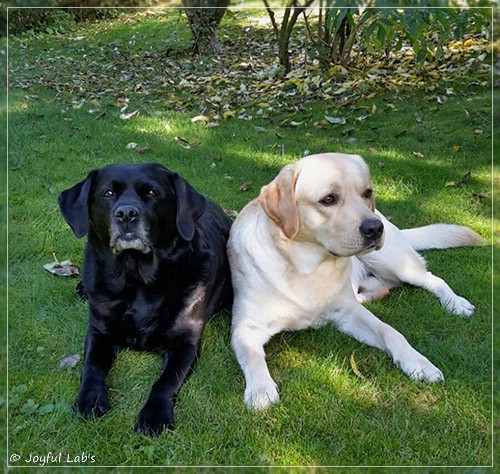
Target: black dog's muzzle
128	230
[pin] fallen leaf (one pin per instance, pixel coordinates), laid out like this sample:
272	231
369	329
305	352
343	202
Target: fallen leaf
245	186
460	181
131	146
228	114
64	268
245	116
231	213
200	118
128	116
457	148
337	70
187	143
121	101
347	131
141	149
418	154
260	129
363	117
30	406
23	388
354	367
49	408
482	195
335	120
69	361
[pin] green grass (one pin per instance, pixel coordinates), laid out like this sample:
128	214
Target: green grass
327	415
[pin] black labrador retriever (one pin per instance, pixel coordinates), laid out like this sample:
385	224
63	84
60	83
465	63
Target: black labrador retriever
154	270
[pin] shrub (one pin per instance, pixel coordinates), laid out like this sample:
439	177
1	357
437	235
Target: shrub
54	20
384	28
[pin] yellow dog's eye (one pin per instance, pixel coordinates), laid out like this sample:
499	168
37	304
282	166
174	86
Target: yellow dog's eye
368	194
330	200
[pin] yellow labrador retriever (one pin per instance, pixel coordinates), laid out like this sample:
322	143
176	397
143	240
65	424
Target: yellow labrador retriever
310	250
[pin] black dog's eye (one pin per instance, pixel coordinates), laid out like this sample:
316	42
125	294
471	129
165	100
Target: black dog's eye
150	193
330	200
368	194
108	193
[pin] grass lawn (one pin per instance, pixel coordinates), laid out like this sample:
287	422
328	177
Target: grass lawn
65	99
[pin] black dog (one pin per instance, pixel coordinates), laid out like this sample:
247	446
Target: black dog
155	269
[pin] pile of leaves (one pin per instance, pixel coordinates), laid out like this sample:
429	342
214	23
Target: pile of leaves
245	82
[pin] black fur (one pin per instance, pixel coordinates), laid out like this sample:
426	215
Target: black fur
155	269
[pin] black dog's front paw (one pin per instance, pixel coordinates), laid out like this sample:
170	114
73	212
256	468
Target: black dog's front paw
81	291
155	417
92	402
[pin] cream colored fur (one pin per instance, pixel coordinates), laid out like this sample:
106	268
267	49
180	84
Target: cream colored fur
299	259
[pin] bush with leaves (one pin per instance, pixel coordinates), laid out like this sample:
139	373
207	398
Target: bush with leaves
383	26
28	15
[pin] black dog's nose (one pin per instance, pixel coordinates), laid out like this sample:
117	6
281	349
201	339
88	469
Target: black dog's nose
126	213
371	229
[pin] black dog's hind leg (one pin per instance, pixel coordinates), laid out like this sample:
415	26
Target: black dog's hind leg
158	412
92	399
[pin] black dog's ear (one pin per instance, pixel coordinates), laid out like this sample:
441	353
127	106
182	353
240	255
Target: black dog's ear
190	206
74	205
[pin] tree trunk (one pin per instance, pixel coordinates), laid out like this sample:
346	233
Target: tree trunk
204	16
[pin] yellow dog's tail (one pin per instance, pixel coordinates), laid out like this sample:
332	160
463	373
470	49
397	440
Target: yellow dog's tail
442	236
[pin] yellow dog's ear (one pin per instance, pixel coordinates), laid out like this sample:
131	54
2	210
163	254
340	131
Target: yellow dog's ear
278	201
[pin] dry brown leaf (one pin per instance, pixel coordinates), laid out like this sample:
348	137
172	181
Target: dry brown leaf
185	143
64	268
460	181
245	186
69	361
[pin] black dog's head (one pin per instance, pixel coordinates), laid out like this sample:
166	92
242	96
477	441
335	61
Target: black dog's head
132	207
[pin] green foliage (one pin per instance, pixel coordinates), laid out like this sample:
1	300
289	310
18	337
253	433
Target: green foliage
380	26
38	20
29	16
